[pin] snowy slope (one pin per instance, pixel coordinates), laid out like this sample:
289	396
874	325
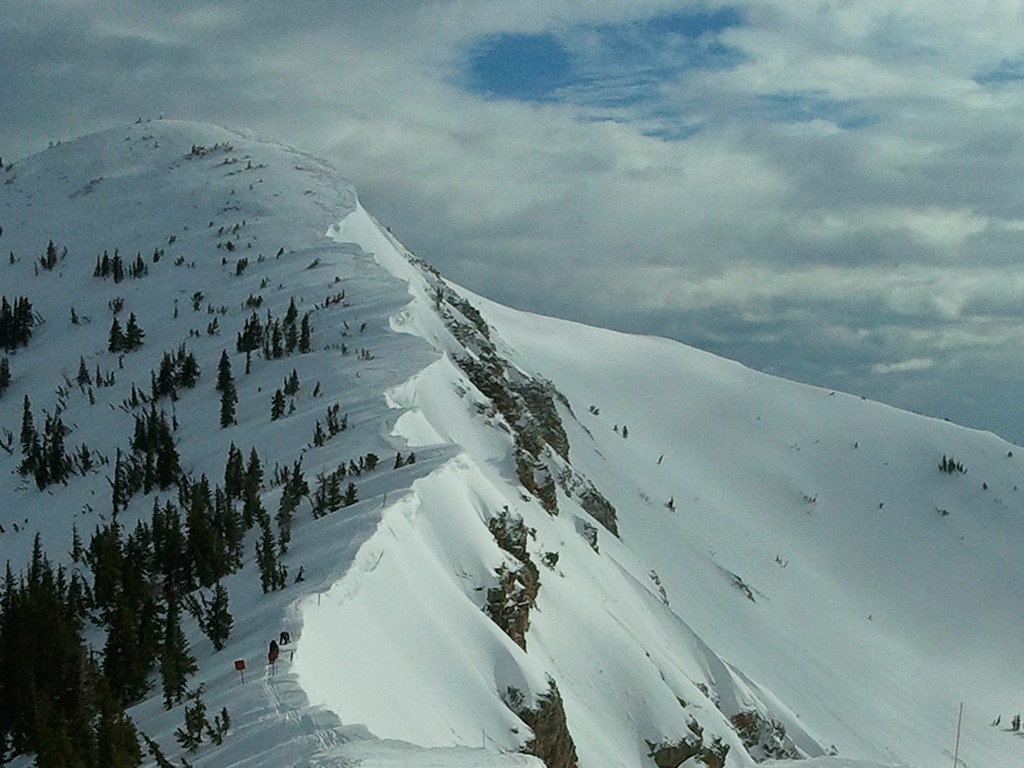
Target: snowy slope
781	549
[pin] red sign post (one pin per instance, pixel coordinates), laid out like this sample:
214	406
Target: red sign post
240	666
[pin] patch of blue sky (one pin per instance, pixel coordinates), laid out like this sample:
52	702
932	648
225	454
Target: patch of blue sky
809	106
675	42
1007	71
520	67
604	66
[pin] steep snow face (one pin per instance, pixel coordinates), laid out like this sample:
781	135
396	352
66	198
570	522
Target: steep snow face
807	536
812	540
781	550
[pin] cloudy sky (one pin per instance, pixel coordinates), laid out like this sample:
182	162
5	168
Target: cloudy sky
828	190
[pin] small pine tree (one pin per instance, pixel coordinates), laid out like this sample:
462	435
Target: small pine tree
218	620
228	404
223	372
221	724
188	373
291	385
277	405
190	736
176	662
305	334
29	440
252	507
266	556
133	334
84	379
334	500
351	495
115	340
49	260
234	473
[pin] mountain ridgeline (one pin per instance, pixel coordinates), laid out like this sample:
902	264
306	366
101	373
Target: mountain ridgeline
234	409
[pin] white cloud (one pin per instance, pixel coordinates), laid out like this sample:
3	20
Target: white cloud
850	183
904	366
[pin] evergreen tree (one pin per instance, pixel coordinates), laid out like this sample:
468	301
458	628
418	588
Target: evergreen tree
125	664
49	260
266	556
252	507
291	332
277	405
115	340
31	450
276	341
84	379
56	463
133	334
228	405
16	321
120	492
206	553
55	739
285	516
117	267
188	374
351	495
117	740
234	473
176	661
196	724
305	334
291	384
228	393
166	379
250	339
46	706
170	552
224	377
298	487
154	451
219	621
29	436
229	525
138	268
335	499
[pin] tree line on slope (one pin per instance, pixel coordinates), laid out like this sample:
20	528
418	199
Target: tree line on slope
142	583
65	702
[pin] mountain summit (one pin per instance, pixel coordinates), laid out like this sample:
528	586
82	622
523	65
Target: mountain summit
235	410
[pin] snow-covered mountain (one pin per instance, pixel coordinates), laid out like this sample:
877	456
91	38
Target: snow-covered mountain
650	555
